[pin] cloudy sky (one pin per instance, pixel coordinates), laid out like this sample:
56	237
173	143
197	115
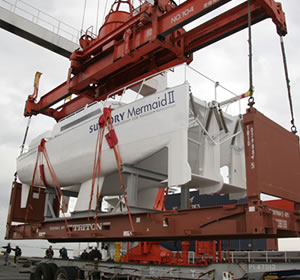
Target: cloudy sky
225	61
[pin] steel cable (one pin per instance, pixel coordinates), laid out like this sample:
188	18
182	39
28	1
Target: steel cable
83	16
251	98
293	128
104	12
97	17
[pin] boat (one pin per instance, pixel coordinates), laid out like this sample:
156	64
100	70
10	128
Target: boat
161	134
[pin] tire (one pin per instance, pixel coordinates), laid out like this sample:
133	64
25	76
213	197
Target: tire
66	273
42	272
53	267
96	276
81	274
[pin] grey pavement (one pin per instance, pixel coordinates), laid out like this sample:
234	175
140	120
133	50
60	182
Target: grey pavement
10	272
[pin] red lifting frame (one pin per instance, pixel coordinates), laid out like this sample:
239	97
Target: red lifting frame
147	43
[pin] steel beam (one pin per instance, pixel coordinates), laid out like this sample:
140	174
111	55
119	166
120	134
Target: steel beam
143	173
36	34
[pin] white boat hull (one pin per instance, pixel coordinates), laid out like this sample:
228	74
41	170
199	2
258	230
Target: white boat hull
157	133
143	128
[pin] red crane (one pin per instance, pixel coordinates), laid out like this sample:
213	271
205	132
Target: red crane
130	46
135	43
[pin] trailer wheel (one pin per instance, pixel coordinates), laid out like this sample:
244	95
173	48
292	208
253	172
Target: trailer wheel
96	275
53	267
42	272
66	273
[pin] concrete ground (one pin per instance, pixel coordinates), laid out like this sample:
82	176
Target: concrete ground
10	272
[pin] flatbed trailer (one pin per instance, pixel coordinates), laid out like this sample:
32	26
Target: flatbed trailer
57	269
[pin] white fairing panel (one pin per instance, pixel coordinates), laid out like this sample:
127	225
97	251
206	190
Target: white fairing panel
84	195
24	195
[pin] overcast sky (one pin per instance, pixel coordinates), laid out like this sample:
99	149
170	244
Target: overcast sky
225	61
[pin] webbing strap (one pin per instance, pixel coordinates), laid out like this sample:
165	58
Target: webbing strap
43	152
57	188
29	206
105	120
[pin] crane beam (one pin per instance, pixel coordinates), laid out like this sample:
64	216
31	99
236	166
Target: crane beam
185	13
147	43
222	26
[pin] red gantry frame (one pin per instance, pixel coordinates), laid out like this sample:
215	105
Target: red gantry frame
131	46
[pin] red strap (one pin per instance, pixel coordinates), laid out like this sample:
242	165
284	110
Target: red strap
57	188
105	120
42	150
105	117
111	138
43	176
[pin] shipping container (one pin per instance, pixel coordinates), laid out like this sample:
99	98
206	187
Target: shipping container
196	201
